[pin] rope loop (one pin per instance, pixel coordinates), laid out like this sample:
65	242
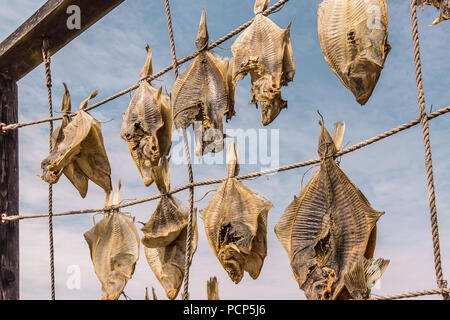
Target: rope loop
3	129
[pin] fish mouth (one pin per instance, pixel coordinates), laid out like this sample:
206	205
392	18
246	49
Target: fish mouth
51	176
362	76
271	110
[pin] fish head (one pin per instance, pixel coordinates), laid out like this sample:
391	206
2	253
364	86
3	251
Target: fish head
114	286
53	166
150	149
232	261
171	280
267	92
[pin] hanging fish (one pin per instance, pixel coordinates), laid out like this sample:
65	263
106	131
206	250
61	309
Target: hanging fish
167	263
147	124
236	224
78	150
353	36
204	92
264	50
212	289
329	230
442	5
169	218
114	247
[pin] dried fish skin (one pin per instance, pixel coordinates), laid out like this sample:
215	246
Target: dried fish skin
353	36
114	248
235	223
78	151
329	227
265	51
204	92
442	5
212	289
169	218
167	263
147	124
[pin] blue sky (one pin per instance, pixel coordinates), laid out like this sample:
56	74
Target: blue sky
391	173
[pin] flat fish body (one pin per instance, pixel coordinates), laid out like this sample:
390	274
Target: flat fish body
353	36
167	263
265	51
328	228
236	226
442	5
204	93
147	124
79	153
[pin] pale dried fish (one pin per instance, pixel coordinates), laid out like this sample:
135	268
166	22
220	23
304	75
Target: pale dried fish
169	218
353	36
442	5
329	228
78	150
264	50
236	224
167	263
212	289
114	247
204	92
147	124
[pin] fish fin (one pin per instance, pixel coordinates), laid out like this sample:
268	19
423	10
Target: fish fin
66	106
260	6
147	69
85	102
338	134
375	270
201	41
355	279
232	160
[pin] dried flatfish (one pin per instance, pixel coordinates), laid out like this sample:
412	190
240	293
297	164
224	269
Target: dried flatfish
204	92
147	124
236	224
114	247
212	289
353	36
442	5
78	150
329	229
169	218
167	263
264	50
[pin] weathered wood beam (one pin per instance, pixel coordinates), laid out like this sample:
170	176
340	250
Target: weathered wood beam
21	51
9	193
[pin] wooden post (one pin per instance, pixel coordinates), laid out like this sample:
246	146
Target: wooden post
9	193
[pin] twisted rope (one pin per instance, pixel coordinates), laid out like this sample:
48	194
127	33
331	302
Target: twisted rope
187	261
426	140
355	147
412	294
272	9
48	76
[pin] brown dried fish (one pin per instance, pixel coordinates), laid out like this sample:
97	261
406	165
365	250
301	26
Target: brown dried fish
147	124
264	50
78	150
169	218
167	263
204	92
114	247
353	36
212	289
330	229
236	224
442	5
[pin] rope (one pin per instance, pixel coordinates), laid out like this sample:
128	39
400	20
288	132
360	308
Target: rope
48	76
14	126
426	140
413	294
355	147
187	260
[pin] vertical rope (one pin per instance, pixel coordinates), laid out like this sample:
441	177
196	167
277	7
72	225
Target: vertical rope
187	261
426	139
46	59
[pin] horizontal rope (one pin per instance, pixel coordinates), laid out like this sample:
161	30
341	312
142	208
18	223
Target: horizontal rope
411	294
14	126
242	177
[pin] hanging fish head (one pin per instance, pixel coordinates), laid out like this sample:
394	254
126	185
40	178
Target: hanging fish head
172	280
53	166
114	286
267	92
232	261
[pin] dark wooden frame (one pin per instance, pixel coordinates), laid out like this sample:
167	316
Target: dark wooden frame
20	53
